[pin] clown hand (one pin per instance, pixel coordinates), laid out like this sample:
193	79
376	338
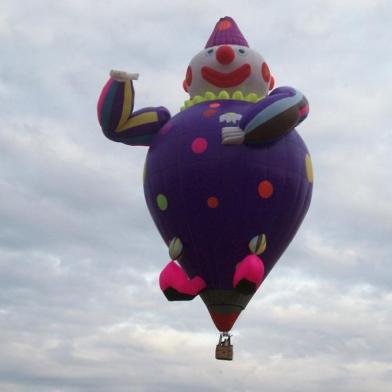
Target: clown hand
123	76
232	135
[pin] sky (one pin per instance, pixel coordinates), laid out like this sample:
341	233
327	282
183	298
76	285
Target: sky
80	304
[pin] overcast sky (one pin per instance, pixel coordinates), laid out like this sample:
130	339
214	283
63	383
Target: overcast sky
80	305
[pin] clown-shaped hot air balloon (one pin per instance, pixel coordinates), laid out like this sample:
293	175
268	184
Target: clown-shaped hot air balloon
228	180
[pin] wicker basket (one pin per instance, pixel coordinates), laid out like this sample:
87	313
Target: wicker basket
224	352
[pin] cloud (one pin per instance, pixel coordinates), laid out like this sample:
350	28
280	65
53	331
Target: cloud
80	305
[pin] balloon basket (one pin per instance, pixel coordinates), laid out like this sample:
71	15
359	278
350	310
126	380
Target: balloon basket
224	348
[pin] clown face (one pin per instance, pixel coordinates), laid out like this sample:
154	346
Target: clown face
228	67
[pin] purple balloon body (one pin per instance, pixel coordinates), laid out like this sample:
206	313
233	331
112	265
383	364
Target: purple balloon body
217	197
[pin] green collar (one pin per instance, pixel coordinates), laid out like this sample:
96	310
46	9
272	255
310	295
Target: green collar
210	96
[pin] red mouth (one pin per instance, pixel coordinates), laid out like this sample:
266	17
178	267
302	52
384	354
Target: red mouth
223	80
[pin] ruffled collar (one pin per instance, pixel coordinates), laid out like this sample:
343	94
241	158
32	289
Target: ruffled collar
223	94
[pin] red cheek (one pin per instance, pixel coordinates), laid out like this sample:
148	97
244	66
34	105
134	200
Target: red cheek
188	77
185	86
265	72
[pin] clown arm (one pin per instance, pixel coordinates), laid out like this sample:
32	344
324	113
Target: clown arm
270	118
118	121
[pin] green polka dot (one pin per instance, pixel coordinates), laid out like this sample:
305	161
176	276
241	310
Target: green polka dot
162	202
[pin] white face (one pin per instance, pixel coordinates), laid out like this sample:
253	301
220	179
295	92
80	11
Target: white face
230	68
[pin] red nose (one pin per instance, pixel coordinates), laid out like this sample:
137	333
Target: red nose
225	54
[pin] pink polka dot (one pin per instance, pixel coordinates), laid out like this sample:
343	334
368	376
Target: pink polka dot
199	145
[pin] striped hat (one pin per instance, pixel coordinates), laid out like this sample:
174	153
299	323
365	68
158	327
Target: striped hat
227	32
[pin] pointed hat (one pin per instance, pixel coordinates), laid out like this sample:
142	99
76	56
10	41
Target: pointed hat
227	32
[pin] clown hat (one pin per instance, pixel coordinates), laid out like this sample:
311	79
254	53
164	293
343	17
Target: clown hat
227	32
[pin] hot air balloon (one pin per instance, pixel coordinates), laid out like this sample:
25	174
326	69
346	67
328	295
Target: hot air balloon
227	180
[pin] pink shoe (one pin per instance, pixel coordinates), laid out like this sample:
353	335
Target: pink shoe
248	275
176	285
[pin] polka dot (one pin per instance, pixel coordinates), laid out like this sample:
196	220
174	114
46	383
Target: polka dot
199	145
212	202
214	105
209	113
145	171
162	202
224	25
265	189
309	168
265	72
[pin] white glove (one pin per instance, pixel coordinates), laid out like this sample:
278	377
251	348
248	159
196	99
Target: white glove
123	76
232	135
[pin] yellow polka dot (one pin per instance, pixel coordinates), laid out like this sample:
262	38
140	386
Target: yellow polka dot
145	171
309	168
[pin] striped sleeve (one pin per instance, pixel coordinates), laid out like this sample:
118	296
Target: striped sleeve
275	115
119	122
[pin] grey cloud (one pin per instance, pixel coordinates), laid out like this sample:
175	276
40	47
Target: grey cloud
80	305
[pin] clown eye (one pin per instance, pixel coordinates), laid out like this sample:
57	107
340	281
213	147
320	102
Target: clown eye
241	52
209	52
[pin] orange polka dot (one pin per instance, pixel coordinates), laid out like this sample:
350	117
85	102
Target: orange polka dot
209	112
212	202
224	25
214	105
265	189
